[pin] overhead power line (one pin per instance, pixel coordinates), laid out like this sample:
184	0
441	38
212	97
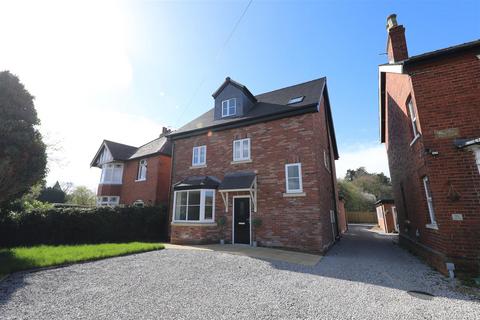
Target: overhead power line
217	56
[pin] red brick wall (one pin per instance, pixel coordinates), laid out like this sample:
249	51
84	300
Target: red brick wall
109	189
155	189
447	96
296	222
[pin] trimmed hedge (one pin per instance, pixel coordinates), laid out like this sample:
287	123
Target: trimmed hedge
79	226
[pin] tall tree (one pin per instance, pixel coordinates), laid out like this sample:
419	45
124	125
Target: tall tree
23	156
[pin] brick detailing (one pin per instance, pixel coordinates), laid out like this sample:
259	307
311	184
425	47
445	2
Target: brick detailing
301	223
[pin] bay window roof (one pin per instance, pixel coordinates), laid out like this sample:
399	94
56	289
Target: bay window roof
197	182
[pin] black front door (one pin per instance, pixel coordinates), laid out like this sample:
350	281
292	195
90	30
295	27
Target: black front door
241	224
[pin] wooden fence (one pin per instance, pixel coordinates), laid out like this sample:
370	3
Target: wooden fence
362	217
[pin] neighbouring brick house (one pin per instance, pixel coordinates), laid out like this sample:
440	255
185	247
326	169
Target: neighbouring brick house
430	124
267	158
134	176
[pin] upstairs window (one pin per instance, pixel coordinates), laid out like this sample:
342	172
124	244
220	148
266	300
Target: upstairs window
428	194
229	107
413	118
111	173
326	159
293	178
241	150
142	170
199	156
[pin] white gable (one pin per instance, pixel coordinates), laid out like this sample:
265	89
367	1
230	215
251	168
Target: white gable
105	156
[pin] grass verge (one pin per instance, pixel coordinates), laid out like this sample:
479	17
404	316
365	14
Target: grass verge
25	258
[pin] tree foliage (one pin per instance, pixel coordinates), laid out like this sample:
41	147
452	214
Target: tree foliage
82	196
361	189
23	156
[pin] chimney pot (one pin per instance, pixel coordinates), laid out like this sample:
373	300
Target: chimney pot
165	131
392	21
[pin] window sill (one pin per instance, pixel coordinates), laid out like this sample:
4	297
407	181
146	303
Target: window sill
294	194
140	180
414	140
241	161
199	166
432	226
194	224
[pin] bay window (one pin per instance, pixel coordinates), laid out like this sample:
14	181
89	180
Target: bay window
194	206
108	201
428	194
413	119
111	173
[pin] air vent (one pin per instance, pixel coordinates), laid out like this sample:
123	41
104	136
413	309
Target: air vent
296	100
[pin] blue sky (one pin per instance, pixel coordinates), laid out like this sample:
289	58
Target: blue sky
165	59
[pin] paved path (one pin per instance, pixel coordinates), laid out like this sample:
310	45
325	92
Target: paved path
364	276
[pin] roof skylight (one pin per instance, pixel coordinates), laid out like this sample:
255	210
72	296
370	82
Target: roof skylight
296	100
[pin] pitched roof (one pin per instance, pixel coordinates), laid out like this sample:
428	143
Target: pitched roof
119	151
197	182
448	50
237	180
240	86
124	152
268	104
159	145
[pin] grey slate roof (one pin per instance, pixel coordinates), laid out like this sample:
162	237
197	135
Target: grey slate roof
268	104
463	143
120	151
159	145
197	182
452	49
237	180
124	152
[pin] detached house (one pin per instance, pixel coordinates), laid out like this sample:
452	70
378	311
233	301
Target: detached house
263	164
134	176
430	124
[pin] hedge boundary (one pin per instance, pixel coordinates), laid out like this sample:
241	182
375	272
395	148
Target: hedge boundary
82	226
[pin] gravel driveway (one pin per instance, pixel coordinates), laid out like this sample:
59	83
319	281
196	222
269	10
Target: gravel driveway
364	276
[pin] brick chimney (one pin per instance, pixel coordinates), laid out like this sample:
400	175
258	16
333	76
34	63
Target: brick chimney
165	131
396	43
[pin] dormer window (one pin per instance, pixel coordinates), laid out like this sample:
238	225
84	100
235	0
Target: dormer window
229	107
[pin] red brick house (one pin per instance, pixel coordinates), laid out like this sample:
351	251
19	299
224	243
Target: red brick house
430	124
134	176
251	158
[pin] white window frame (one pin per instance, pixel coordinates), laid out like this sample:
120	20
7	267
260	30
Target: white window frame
240	143
142	174
139	203
111	167
326	159
198	150
227	105
477	157
413	119
111	201
202	206
428	195
299	165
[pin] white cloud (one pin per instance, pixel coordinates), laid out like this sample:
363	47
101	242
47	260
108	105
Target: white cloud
372	156
74	57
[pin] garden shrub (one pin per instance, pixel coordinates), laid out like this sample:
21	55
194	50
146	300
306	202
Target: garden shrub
77	226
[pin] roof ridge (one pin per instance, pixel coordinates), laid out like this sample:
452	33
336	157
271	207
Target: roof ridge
295	85
123	144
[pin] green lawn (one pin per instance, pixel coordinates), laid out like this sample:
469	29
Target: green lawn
23	258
